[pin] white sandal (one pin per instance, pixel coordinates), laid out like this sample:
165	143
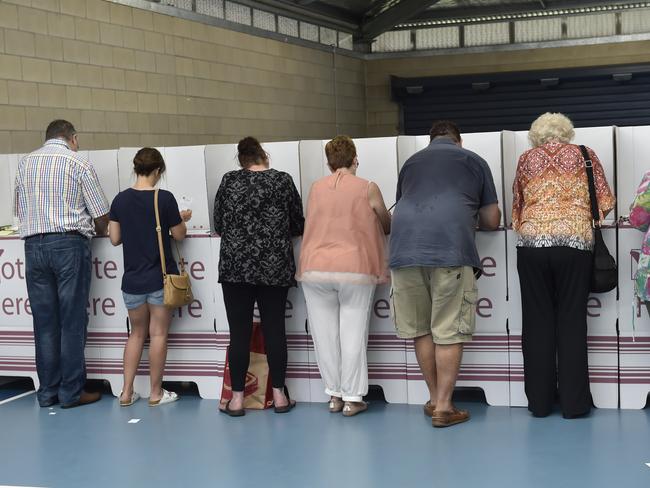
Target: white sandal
167	397
134	398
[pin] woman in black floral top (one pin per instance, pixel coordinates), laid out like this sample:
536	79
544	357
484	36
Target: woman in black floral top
257	212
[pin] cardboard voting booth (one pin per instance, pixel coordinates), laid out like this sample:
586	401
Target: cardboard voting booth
618	325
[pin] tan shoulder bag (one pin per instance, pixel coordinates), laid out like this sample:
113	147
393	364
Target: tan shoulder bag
177	289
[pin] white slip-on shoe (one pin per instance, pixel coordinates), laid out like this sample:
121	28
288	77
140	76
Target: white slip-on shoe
134	398
167	397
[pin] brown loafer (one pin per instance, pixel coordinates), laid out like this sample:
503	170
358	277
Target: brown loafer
449	418
84	399
351	409
428	409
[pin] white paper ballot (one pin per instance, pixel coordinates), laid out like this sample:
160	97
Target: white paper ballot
185	203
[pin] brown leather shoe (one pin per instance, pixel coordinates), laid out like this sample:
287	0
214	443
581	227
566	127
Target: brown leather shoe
84	399
428	409
449	418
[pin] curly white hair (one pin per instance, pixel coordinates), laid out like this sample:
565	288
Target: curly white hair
551	127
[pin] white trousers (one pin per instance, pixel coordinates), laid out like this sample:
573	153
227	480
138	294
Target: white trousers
339	314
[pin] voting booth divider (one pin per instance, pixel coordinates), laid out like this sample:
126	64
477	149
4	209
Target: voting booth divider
618	327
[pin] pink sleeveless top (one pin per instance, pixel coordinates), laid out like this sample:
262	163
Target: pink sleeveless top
342	231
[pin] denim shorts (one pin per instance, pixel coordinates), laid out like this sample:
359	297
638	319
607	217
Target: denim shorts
134	301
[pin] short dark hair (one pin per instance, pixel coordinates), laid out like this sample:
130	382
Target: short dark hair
60	129
147	160
250	152
340	152
444	128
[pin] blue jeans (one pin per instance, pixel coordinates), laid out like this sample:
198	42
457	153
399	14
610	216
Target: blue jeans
58	272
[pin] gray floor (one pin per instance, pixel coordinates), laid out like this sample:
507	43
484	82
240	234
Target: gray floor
189	444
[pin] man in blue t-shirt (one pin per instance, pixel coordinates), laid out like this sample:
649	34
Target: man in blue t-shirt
443	192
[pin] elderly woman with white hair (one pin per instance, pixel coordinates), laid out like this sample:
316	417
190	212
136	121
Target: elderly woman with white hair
552	215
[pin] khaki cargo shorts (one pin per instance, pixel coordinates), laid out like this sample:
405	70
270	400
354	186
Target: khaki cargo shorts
437	301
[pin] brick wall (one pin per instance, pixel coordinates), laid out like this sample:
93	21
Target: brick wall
130	77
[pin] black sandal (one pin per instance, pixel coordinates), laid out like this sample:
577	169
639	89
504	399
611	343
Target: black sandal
232	413
288	407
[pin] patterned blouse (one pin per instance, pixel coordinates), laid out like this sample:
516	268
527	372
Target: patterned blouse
640	218
257	213
551	206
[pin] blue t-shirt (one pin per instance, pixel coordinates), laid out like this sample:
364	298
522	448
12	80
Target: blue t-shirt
134	210
439	192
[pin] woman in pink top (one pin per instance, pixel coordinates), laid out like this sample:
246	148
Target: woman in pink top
341	262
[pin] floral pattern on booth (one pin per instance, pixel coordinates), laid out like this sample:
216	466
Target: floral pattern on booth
640	219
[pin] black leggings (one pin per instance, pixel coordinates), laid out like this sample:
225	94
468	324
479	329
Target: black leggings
240	299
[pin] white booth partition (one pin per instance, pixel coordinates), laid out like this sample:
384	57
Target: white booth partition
16	331
6	192
219	159
633	162
313	166
8	168
634	323
184	177
105	164
298	341
14	160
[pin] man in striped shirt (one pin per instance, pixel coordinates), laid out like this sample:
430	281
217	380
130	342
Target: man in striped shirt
60	205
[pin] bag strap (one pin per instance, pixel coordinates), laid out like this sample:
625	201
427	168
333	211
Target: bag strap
159	232
163	264
595	214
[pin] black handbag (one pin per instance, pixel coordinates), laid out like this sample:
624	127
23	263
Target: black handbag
604	273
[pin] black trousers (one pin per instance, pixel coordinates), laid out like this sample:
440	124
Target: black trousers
240	299
554	292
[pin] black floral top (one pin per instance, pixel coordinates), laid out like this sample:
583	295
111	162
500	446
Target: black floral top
257	213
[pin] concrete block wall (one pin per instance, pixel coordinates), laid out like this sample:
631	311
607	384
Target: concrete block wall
131	77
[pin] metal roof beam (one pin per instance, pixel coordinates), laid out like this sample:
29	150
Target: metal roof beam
532	6
398	13
307	13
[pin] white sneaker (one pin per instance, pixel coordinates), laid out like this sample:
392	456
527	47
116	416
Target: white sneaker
134	398
167	397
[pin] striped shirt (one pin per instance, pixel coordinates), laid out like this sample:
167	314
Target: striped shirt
57	190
